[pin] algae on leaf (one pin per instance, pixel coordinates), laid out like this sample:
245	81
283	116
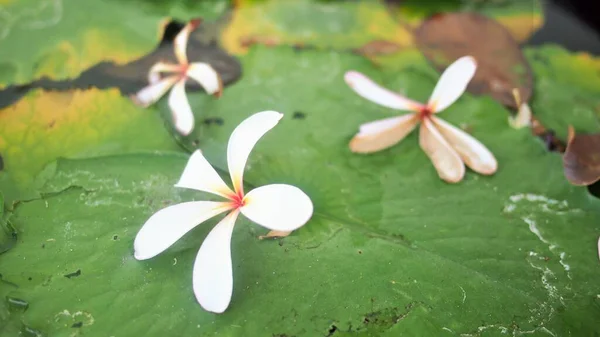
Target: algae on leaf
390	251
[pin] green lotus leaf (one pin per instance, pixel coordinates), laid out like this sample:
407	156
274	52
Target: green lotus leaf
353	24
390	251
566	90
46	125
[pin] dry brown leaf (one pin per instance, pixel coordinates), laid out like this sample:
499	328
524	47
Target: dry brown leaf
501	66
581	160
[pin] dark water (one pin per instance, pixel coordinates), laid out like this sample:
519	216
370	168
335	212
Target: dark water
566	24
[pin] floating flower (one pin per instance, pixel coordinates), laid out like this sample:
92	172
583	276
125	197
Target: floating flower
448	147
203	73
277	207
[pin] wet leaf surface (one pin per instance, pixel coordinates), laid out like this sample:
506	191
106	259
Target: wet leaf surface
582	158
501	66
391	249
8	235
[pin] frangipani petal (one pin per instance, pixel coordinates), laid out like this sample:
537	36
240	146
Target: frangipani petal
470	150
274	234
152	93
161	67
243	139
381	134
183	117
452	83
200	175
213	273
523	117
208	78
370	90
278	207
445	160
181	40
169	224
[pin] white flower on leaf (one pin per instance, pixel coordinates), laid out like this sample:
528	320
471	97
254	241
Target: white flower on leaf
177	75
277	207
448	147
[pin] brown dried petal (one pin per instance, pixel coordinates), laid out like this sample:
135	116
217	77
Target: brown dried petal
581	160
274	234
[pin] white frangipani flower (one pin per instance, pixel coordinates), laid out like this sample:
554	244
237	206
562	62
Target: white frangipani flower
277	207
203	73
448	147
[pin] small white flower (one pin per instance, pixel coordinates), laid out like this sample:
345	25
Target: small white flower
277	207
448	147
203	73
